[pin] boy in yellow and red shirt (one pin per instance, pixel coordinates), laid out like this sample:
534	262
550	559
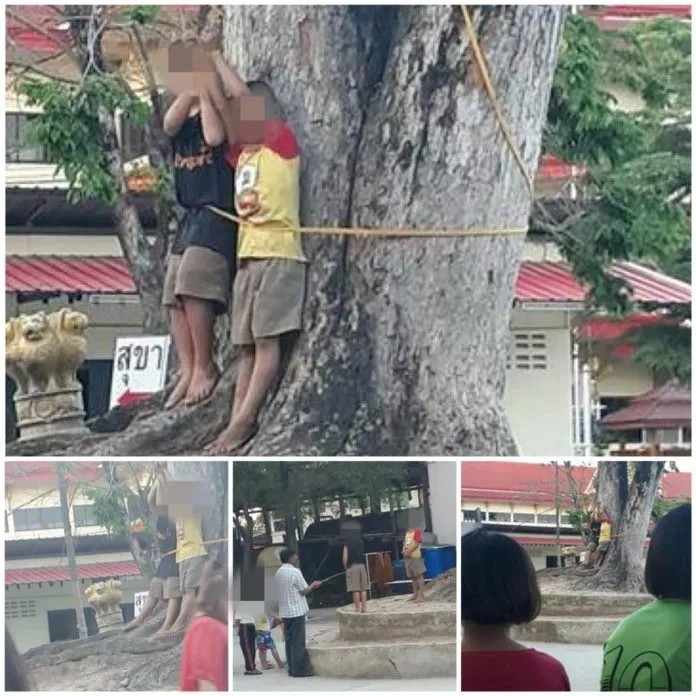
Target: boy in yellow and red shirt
269	287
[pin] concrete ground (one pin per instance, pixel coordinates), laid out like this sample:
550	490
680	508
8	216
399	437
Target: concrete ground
278	680
582	662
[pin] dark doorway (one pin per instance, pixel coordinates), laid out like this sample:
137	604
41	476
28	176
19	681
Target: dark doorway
552	561
62	624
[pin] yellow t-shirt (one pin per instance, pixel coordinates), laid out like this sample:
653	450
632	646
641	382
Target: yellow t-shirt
189	539
410	542
262	624
605	532
267	194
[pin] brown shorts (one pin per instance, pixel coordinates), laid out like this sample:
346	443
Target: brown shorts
165	588
200	273
190	572
267	300
356	578
415	567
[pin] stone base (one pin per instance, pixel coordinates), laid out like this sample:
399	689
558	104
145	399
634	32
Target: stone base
587	630
110	620
401	658
583	604
50	413
394	639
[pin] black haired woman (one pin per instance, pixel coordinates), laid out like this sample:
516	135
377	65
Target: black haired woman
651	649
499	591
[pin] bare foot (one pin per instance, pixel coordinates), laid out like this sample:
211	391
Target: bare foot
131	627
282	665
268	666
179	391
202	385
234	436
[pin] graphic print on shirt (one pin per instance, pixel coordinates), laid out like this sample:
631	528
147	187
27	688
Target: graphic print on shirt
247	197
647	671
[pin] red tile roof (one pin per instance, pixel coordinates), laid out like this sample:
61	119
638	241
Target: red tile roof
538	281
528	482
518	481
668	406
32	471
92	571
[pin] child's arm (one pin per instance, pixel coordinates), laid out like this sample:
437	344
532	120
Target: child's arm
177	113
345	556
213	127
232	84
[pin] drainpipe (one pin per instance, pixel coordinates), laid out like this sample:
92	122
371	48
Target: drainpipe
587	409
577	434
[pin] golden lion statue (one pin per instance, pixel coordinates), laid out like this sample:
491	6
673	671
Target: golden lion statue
105	596
43	352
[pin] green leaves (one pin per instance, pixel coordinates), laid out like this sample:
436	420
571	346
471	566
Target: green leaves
70	129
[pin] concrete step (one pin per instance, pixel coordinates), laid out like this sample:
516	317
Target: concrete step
386	658
595	604
588	630
397	617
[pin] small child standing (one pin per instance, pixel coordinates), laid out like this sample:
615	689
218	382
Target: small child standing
269	287
264	640
415	567
499	591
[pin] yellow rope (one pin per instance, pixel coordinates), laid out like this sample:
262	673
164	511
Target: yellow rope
377	231
492	96
204	543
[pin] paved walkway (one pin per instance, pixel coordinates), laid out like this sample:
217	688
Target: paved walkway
278	680
582	662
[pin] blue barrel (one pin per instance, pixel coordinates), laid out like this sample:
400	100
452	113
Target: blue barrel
450	557
435	560
399	568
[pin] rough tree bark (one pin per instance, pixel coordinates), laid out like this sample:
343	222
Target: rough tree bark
403	351
70	552
628	500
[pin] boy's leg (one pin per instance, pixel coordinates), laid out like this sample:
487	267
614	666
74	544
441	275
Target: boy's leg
420	582
173	607
200	317
190	572
245	367
277	658
181	333
356	601
145	612
363	601
243	422
263	656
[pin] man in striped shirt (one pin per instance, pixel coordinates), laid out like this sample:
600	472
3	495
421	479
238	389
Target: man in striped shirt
293	590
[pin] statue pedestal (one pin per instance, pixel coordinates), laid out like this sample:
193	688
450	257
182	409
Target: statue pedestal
109	620
50	413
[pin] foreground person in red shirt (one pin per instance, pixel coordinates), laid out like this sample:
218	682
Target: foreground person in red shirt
204	663
500	590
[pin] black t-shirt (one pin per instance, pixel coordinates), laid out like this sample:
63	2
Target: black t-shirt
356	552
201	173
167	567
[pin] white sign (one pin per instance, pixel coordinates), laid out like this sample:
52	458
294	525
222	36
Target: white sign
140	367
139	602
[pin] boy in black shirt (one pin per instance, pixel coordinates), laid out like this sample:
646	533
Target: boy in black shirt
202	261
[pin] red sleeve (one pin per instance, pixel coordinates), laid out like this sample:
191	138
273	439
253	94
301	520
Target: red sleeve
204	658
418	536
232	154
280	138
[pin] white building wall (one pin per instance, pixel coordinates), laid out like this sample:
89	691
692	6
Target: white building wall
31	630
538	399
444	495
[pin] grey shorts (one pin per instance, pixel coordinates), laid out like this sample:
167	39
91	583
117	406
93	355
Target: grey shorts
356	578
603	546
165	588
190	573
200	273
268	299
415	567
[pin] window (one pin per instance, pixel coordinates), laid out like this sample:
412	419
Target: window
17	147
278	526
523	517
667	436
471	516
499	517
565	521
546	519
84	516
527	351
20	609
37	518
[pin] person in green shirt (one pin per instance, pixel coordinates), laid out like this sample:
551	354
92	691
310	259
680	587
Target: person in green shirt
651	649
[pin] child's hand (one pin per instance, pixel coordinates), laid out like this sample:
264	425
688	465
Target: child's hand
211	40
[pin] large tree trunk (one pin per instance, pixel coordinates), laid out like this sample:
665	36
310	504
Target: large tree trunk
403	350
628	498
70	552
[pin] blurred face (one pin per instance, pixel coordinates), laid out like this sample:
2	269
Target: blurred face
189	66
250	117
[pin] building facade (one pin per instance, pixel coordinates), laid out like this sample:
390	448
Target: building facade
519	499
39	607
